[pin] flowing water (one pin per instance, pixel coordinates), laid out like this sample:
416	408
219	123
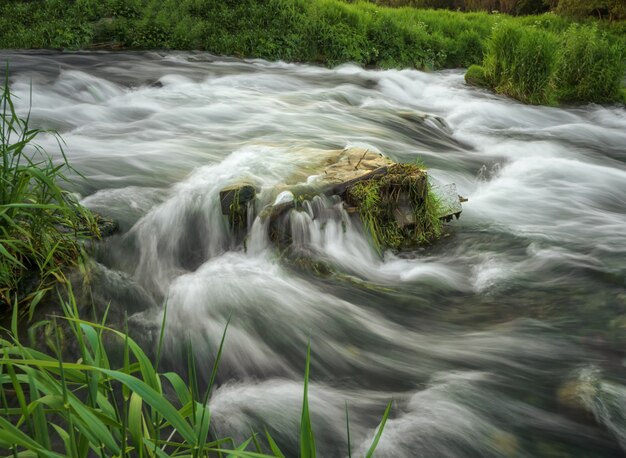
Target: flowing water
506	338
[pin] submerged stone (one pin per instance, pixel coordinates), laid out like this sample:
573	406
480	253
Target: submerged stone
106	226
235	201
235	196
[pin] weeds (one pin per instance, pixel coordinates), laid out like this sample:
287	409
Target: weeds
540	67
588	66
331	32
40	224
520	62
405	189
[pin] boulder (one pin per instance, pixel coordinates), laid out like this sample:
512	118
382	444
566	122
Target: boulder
395	201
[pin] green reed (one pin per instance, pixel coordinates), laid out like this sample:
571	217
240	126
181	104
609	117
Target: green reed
40	223
91	406
538	66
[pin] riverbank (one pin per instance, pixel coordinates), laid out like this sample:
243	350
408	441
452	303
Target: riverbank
328	32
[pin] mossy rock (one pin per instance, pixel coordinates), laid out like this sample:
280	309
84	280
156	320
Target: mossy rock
623	94
475	76
397	208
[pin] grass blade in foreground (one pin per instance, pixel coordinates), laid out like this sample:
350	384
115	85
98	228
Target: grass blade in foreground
307	439
379	433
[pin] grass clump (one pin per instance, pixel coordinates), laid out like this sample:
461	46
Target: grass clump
40	224
95	407
475	76
520	62
589	67
538	66
397	208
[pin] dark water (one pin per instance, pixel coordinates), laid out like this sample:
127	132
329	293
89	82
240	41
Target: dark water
507	338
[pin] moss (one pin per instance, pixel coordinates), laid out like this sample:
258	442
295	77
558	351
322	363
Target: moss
475	76
237	213
380	199
623	92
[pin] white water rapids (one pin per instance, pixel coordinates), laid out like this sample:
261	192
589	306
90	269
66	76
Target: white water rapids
506	338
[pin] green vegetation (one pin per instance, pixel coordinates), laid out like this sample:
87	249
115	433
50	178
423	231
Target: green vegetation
540	67
40	224
332	32
608	9
378	199
589	67
475	76
97	407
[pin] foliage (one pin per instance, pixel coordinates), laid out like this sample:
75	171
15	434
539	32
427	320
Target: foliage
611	9
40	224
475	76
329	32
520	62
378	198
326	31
588	66
540	67
97	407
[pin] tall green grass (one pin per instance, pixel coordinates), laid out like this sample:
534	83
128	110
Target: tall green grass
589	66
539	66
325	31
93	406
40	224
520	62
332	32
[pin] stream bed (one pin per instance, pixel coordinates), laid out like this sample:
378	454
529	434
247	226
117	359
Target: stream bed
505	338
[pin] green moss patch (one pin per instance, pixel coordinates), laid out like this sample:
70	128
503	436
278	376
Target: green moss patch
397	208
475	76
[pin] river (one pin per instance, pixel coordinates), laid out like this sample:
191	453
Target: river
505	338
